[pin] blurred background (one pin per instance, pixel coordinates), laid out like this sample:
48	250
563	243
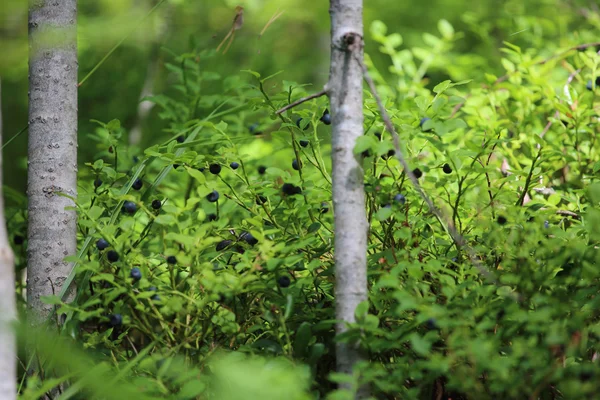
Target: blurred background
295	43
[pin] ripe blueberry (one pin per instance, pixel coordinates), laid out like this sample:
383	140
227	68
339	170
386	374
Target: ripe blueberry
291	189
366	153
234	165
546	224
431	323
501	219
18	240
212	196
248	238
136	274
389	154
299	124
214	169
180	139
211	217
326	118
129	207
112	256
447	169
260	199
223	244
98	182
417	173
254	129
378	135
283	281
175	166
262	169
296	164
156	204
171	260
116	320
137	185
102	244
399	198
324	207
304	143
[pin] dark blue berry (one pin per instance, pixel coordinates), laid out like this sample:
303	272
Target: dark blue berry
223	244
136	274
212	196
417	173
399	198
234	165
98	183
137	185
389	154
423	120
180	139
18	240
304	143
283	281
299	124
214	169
296	164
112	256
175	166
501	220
260	199
156	204
324	207
102	244
248	238
212	217
431	323
254	129
116	320
447	169
262	169
129	207
546	224
326	118
291	189
171	260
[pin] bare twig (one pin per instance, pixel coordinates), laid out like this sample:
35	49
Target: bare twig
568	213
273	19
449	225
302	100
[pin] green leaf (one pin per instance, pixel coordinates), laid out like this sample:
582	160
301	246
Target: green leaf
446	29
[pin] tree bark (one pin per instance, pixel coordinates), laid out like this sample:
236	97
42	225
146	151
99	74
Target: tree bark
8	312
52	149
346	104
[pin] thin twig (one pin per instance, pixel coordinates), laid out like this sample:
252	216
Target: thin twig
302	100
449	225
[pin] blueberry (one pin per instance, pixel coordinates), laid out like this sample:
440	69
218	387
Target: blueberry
378	135
431	323
589	85
291	189
116	320
223	244
304	143
155	297
254	129
112	256
212	196
417	173
102	244
260	199
389	154
326	118
214	169
296	164
423	120
137	185
180	139
98	183
234	165
501	220
129	207
399	198
156	204
211	217
175	166
248	238
283	281
18	240
136	274
447	169
546	224
366	153
324	207
136	159
171	260
201	169
299	124
262	169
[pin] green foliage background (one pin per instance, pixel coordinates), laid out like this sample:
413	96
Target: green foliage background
497	82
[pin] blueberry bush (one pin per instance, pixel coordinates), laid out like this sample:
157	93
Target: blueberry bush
205	267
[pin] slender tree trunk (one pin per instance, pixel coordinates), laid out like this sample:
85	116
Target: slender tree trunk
345	94
8	312
52	149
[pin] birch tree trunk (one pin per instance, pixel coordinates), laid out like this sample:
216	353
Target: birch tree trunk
8	312
52	149
346	102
